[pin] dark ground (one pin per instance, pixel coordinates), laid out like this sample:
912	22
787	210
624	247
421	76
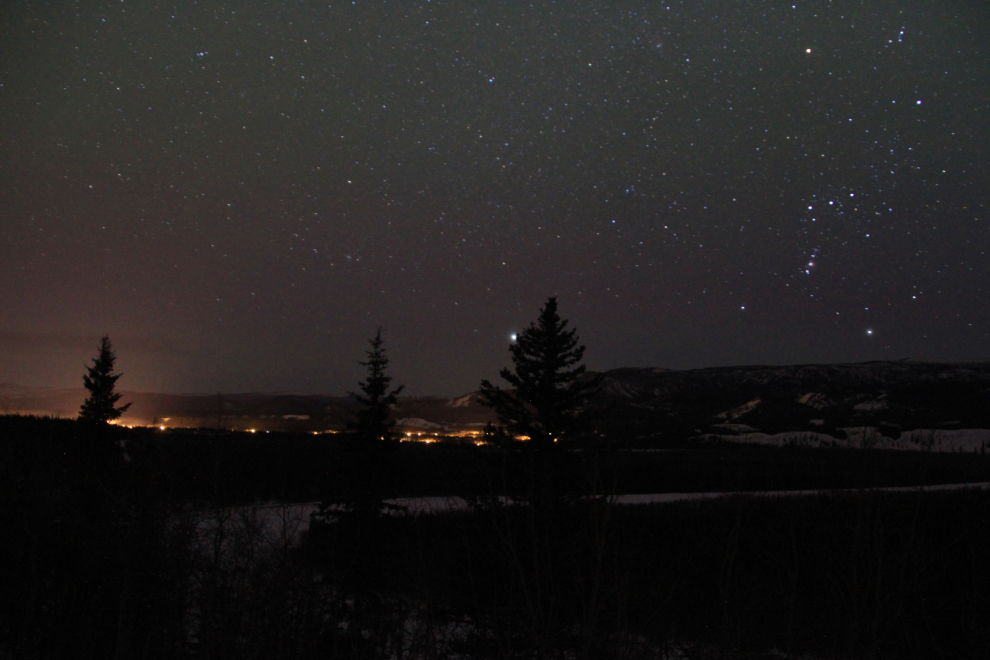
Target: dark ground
97	559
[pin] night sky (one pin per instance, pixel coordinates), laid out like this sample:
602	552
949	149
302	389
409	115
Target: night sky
240	193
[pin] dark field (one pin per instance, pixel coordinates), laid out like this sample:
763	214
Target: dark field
242	468
99	559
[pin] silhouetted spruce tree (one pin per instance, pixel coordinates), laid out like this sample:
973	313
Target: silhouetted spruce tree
550	391
374	418
101	405
349	537
370	433
548	403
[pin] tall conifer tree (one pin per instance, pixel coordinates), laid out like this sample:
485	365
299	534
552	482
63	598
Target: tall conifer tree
100	407
550	389
374	422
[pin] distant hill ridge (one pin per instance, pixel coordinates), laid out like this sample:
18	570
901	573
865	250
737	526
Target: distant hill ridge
645	402
257	410
891	396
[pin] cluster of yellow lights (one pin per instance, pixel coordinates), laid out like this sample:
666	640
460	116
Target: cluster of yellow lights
162	427
431	439
464	434
418	438
117	422
410	437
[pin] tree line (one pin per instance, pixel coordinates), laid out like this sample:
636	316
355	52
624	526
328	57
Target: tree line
106	555
546	402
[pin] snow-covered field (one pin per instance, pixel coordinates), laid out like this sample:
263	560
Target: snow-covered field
868	437
234	541
278	526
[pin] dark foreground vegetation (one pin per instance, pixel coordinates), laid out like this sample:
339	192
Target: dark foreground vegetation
235	468
122	543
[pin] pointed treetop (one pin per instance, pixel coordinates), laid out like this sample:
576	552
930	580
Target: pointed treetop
100	406
550	386
373	420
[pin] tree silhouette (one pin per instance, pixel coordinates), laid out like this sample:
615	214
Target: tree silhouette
374	421
550	391
369	433
548	403
100	407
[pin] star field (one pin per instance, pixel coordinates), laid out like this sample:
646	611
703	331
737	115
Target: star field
239	194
